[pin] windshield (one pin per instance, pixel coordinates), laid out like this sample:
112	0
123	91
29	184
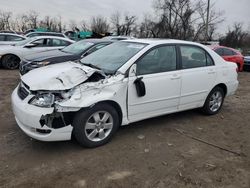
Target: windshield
21	43
77	47
112	57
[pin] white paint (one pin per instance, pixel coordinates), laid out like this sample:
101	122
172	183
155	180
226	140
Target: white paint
166	92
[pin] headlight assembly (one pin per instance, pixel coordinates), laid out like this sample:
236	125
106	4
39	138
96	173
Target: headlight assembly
45	100
39	64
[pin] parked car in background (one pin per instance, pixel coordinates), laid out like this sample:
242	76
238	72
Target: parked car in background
36	34
10	39
72	52
247	63
8	31
231	55
125	82
10	56
118	38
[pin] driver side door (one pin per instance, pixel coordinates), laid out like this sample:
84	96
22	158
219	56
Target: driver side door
158	71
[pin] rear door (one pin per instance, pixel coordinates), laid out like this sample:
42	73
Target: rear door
198	76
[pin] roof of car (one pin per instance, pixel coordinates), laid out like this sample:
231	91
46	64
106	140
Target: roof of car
45	32
218	46
97	40
13	34
155	41
53	37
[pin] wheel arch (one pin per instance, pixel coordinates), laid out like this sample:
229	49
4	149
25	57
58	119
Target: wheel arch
116	106
222	86
9	54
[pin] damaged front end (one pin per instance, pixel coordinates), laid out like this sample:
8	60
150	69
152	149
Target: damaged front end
45	98
45	106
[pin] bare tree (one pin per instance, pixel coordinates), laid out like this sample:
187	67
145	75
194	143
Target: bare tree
84	26
33	19
199	21
174	18
129	24
99	25
72	25
235	37
5	20
116	22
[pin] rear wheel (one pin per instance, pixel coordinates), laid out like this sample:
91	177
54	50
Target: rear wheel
95	126
214	101
10	62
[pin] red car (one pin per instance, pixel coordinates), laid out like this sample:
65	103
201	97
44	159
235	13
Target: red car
230	54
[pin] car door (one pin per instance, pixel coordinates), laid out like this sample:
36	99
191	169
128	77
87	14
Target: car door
198	76
157	71
40	45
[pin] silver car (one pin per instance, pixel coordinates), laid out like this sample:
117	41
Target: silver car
10	39
11	56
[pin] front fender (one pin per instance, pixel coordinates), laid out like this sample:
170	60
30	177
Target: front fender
86	96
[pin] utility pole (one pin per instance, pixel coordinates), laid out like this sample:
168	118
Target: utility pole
208	12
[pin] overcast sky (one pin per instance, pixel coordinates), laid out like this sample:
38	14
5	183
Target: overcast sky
235	10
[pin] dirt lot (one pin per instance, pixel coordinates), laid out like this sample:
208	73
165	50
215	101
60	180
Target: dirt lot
150	153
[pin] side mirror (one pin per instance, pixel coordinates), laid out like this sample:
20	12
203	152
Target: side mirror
30	45
140	87
132	71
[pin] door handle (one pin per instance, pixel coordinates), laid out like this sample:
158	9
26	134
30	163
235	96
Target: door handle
175	77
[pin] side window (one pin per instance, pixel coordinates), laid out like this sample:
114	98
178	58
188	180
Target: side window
57	42
40	43
13	38
194	57
210	62
227	52
161	59
234	53
2	37
219	51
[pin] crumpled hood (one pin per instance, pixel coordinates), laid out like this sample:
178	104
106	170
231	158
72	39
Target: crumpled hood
60	76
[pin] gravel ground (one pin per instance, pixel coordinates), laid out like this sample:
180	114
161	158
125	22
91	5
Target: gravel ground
149	153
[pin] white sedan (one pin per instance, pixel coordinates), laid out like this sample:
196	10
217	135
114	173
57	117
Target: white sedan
122	83
11	55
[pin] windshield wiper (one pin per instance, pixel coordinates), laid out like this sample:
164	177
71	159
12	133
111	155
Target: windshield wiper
92	66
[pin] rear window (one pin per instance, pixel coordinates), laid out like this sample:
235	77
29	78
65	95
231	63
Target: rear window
194	57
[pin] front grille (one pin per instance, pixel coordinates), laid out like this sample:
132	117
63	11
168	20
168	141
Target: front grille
22	92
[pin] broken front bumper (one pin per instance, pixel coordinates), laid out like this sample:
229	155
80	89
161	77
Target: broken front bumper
28	119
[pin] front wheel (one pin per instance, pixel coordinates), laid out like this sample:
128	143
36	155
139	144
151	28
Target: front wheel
95	126
214	101
10	62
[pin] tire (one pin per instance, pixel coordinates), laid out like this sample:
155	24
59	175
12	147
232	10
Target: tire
95	126
10	62
214	101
